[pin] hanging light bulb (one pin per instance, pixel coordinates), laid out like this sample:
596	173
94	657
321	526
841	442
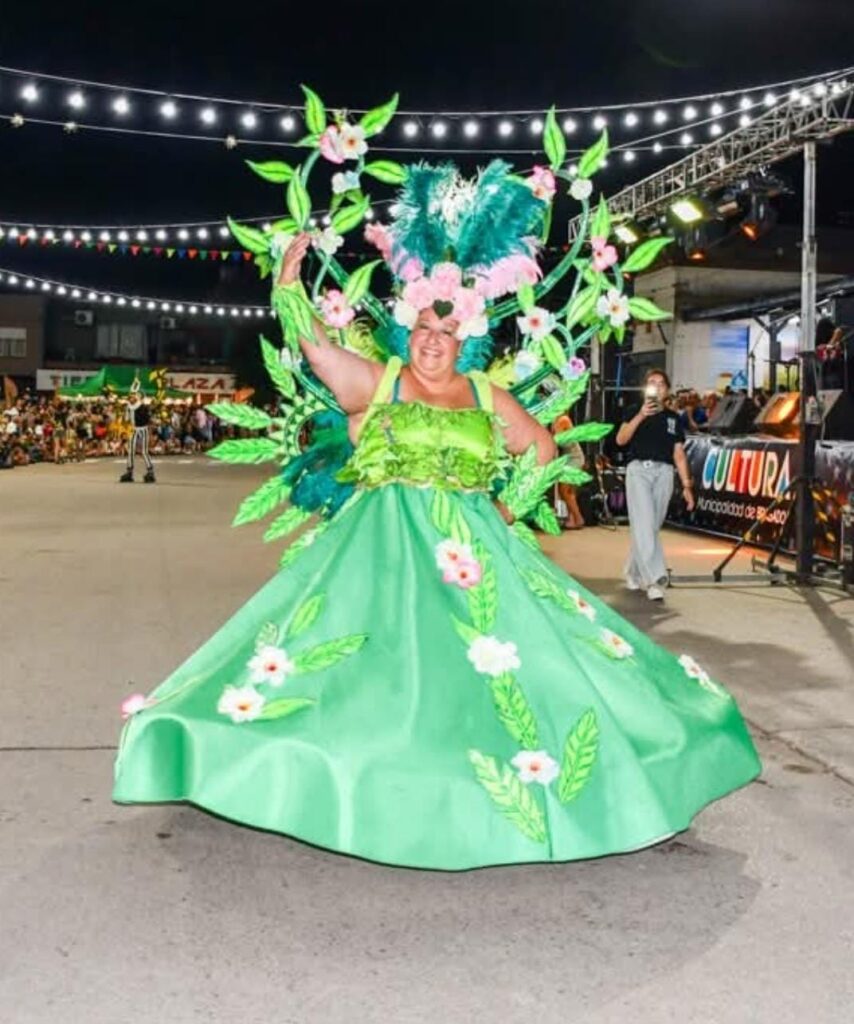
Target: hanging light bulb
599	122
570	125
30	92
121	105
820	89
770	99
160	235
439	129
76	100
121	301
49	235
179	308
32	233
142	235
209	309
68	236
123	236
224	232
660	116
287	123
686	138
86	236
169	109
470	129
745	103
203	233
183	234
410	129
716	109
151	304
629	156
104	236
136	303
631	119
61	290
249	119
745	120
690	112
45	286
537	126
193	310
715	129
657	147
505	129
208	115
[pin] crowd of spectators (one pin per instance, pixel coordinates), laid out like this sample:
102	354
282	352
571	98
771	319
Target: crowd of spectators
35	428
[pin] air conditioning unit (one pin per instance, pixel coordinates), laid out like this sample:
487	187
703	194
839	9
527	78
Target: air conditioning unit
84	317
167	323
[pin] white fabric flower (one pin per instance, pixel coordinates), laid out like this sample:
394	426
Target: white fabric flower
133	705
474	327
270	665
405	314
344	181
289	359
492	657
614	307
695	671
353	143
328	241
280	243
525	363
581	188
450	553
617	646
537	322
582	606
535	766
241	703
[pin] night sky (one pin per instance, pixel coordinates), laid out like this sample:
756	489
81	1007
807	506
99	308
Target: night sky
463	55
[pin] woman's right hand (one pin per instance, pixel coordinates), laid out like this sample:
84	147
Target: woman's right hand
292	263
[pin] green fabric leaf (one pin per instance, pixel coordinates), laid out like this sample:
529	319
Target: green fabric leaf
305	615
299	204
544	586
483	598
545	518
247	450
513	710
554	143
644	309
386	171
327	654
601	224
575	477
468	634
579	756
297	310
441	512
526	535
283	707
315	112
282	378
268	636
309	141
644	254
553	352
286	523
582	305
350	216
247	416
261	502
375	120
304	541
525	295
272	170
286	225
359	282
592	158
514	800
249	238
584	432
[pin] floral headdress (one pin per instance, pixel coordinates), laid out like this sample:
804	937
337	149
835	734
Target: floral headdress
466	248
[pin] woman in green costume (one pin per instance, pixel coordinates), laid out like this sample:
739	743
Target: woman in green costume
422	686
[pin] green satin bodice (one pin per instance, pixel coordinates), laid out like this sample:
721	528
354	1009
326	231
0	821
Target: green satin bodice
424	445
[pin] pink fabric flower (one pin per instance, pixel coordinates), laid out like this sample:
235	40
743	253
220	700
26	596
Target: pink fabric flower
419	293
542	184
378	235
464	574
526	269
133	704
573	369
336	310
331	146
446	279
604	255
411	269
506	275
467	304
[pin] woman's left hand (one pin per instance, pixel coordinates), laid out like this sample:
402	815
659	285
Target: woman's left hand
688	495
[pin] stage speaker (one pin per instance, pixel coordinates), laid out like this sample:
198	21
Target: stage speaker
779	415
837	415
734	414
782	415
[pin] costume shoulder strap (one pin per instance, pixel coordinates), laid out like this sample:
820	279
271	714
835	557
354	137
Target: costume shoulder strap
386	384
483	390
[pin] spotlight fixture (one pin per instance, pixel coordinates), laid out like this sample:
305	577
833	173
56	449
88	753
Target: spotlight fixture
627	232
761	217
696	244
688	210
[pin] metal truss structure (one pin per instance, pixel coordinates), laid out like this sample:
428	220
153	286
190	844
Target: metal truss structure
774	135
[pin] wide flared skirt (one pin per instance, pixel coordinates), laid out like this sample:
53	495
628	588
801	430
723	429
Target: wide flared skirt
423	688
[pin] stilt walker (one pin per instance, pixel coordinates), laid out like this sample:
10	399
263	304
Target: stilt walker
139	417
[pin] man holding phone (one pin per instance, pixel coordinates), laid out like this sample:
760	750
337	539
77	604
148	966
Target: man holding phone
655	441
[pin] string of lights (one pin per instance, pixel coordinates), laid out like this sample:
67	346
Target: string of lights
231	121
81	294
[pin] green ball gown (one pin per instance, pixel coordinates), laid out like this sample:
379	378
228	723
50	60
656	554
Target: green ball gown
422	687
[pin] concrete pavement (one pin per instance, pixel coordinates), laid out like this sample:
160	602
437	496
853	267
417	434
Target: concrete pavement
151	914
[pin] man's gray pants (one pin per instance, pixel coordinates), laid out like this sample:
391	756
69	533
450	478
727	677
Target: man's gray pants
649	486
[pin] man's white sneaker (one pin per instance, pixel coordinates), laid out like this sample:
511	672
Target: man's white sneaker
655	593
632	583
